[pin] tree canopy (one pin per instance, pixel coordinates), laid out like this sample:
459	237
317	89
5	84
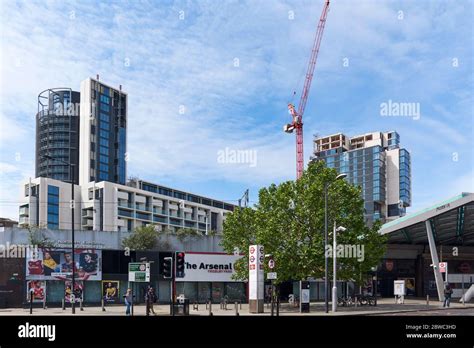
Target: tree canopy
289	222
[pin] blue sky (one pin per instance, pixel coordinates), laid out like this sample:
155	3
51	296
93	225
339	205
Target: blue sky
171	56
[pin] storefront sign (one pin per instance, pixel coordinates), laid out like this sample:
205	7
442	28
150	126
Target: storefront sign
209	267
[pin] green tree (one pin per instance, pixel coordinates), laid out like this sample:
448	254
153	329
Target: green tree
37	236
143	238
289	222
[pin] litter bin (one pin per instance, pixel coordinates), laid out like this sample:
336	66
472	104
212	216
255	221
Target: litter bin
182	306
186	306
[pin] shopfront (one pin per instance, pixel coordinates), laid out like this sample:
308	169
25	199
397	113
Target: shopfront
208	276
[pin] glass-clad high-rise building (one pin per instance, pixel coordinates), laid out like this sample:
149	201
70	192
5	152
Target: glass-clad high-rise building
103	127
376	163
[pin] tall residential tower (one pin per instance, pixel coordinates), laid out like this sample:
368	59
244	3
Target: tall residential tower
376	163
57	134
103	129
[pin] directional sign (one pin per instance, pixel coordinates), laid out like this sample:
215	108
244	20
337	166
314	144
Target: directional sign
139	272
271	264
271	275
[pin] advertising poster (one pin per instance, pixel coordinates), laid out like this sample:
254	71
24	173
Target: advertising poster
56	264
111	291
39	290
409	286
78	290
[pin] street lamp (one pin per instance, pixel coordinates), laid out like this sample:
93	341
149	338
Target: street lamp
71	168
334	265
326	279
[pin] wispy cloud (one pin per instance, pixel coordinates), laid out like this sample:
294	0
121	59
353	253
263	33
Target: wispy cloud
232	67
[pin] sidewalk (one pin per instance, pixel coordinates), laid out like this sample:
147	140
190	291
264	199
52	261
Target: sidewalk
386	305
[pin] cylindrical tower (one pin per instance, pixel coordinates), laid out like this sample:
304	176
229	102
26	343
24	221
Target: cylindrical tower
57	134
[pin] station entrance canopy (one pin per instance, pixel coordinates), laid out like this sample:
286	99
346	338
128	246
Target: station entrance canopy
451	222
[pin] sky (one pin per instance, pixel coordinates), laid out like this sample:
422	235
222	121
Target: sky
208	78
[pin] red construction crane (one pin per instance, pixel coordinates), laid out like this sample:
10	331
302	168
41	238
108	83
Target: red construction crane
298	115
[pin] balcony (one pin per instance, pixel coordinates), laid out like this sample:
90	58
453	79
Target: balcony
24	220
175	213
159	211
125	204
143	207
87	213
24	211
175	222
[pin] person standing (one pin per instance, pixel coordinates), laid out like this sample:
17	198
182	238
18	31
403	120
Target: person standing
448	291
128	301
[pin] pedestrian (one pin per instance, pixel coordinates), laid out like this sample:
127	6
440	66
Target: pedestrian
150	298
448	291
128	301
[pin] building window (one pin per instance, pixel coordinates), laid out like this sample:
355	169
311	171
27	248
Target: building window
103	175
104	99
104	125
104	107
53	207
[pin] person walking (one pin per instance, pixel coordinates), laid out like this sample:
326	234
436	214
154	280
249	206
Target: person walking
448	291
128	301
150	298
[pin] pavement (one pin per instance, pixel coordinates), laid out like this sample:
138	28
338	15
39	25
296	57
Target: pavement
386	306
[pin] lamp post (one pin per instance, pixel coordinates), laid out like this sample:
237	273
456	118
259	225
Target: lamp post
334	266
326	279
71	168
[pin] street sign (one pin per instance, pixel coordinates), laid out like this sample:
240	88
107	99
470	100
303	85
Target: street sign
139	272
271	275
271	264
443	266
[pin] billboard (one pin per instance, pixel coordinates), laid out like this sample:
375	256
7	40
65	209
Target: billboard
39	290
56	264
209	267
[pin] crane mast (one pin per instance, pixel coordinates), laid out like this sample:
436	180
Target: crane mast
297	115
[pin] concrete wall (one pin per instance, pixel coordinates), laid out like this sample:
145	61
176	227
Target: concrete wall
111	240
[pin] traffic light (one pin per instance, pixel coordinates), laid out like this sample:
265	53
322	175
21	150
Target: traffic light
180	264
168	268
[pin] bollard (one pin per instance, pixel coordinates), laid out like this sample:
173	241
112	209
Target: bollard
206	304
80	303
427	300
236	308
31	301
64	305
103	305
210	308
